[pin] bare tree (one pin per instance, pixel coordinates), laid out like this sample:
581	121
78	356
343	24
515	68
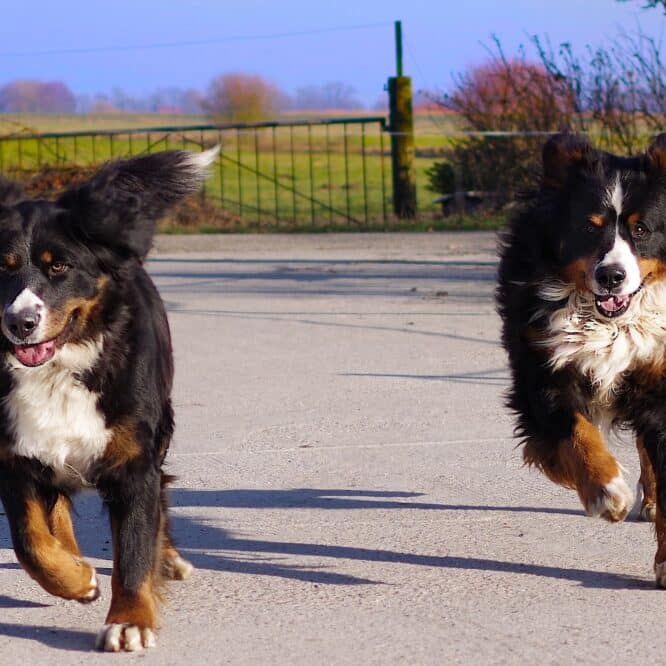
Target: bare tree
620	88
28	96
331	95
616	93
650	4
514	101
242	97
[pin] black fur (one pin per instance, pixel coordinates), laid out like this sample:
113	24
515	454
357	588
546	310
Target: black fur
543	238
100	231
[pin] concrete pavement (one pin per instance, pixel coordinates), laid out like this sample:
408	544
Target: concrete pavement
349	489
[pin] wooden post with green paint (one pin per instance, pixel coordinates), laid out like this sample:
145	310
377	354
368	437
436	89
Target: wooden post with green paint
401	121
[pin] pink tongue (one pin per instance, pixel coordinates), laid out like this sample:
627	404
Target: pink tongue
613	303
35	354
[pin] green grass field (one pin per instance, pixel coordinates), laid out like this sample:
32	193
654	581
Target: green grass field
302	177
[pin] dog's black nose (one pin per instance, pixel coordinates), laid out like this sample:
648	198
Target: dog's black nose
610	277
21	324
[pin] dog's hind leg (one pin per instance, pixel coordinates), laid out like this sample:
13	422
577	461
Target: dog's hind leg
174	565
583	462
648	484
654	444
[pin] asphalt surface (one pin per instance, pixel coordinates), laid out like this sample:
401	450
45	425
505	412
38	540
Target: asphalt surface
349	489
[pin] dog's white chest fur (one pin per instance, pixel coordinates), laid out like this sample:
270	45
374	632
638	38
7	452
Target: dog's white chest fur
603	349
54	417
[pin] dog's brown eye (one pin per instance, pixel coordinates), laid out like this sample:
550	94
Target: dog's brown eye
638	230
57	268
8	264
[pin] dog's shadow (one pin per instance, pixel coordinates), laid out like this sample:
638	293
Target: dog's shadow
53	637
213	548
210	538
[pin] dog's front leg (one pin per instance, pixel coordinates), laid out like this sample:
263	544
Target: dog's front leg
44	541
134	508
581	460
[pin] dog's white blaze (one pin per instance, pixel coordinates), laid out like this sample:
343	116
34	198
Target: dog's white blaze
603	349
54	417
622	255
616	196
27	300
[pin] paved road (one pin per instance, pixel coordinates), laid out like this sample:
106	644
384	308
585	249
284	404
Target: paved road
349	490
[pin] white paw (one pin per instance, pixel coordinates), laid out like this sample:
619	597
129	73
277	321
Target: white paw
614	501
181	569
93	592
125	638
660	575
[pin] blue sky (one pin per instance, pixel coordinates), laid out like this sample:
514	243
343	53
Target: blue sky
441	37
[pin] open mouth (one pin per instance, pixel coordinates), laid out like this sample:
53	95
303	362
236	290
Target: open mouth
611	305
34	355
41	352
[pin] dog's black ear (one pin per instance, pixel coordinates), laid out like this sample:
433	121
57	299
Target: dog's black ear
656	152
10	192
563	154
118	208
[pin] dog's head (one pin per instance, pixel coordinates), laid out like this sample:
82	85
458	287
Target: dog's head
608	227
57	258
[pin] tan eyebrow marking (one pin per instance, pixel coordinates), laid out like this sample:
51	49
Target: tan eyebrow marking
634	218
596	220
11	261
46	257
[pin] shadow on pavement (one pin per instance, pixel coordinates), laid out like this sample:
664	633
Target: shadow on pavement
484	377
174	309
207	537
326	498
10	602
54	637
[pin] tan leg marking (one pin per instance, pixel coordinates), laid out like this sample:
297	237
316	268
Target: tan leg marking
174	566
51	564
61	526
131	621
585	464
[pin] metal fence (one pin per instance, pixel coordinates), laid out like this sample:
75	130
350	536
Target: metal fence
320	172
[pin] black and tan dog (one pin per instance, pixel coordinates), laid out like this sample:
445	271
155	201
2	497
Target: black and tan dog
582	295
85	381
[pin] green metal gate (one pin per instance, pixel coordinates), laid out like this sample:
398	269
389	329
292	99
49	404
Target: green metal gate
273	174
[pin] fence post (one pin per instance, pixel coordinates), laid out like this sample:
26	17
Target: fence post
401	125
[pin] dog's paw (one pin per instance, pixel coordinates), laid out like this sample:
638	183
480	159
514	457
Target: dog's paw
125	638
177	567
648	513
93	593
613	502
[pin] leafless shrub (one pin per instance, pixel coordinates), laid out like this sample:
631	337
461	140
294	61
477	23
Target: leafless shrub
615	93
